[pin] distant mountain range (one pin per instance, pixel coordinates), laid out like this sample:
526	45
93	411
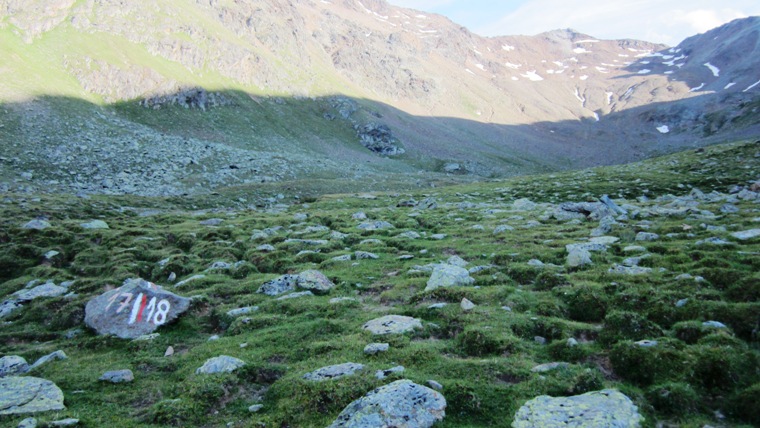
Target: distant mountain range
172	97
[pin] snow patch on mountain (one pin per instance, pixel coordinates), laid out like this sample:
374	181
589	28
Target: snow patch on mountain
580	50
729	85
715	70
752	86
697	88
664	129
532	76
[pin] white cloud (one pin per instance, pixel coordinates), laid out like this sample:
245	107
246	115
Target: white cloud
664	21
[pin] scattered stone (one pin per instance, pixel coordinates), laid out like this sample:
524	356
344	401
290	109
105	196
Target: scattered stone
466	305
343	258
625	270
602	240
192	278
296	295
543	368
578	257
242	311
37	224
300	217
438	236
222	364
540	340
172	277
94	225
437	306
502	228
646	343
375	225
214	338
410	235
392	324
19	395
714	324
646	236
135	309
57	355
118	376
612	205
398	404
599	409
64	422
255	408
265	248
523	205
27	423
571	342
169	351
457	261
363	255
448	276
359	216
382	374
376	348
681	303
634	249
435	385
279	285
535	263
729	209
12	365
212	222
338	300
334	372
747	234
712	241
315	281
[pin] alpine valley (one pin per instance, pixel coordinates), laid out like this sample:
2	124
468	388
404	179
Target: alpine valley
310	213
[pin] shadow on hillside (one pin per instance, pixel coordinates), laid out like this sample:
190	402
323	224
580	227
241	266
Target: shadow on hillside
324	131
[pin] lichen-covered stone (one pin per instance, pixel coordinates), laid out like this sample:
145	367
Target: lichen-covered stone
221	364
118	376
135	309
20	395
12	365
95	224
315	281
333	372
278	286
599	409
392	324
448	276
401	404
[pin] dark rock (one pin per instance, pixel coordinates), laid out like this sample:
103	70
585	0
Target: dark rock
379	139
135	309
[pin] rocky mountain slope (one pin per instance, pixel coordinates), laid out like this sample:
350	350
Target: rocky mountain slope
174	97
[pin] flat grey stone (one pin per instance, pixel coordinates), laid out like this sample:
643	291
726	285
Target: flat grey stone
36	224
746	234
398	404
375	225
334	372
376	348
543	368
135	309
27	423
435	385
363	255
212	222
448	276
255	408
242	311
714	324
221	364
466	305
19	395
296	295
68	422
118	376
502	229
12	365
392	324
577	257
192	278
599	409
382	374
625	270
94	224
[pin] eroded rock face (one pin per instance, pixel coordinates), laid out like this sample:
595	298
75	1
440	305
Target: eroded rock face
398	404
19	395
599	409
135	309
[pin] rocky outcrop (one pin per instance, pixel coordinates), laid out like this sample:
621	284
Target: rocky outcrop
379	139
601	409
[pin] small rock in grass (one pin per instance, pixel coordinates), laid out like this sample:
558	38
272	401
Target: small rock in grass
255	408
392	324
448	276
435	385
315	281
714	324
57	355
376	348
118	376
363	255
467	305
36	224
382	374
69	422
600	409
296	295
27	423
334	372
647	236
242	311
747	234
29	395
12	365
543	368
94	225
221	364
169	351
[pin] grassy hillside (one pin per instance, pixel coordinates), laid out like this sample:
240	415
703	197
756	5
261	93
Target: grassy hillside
483	357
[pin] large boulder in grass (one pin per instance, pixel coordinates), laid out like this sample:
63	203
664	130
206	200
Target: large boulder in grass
399	404
392	324
315	281
20	395
447	275
135	309
599	409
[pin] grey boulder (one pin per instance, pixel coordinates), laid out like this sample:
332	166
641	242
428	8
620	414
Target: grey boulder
392	324
315	281
401	404
448	276
599	409
12	365
20	395
118	376
135	309
279	285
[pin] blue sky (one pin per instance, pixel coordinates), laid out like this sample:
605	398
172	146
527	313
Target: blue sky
662	21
